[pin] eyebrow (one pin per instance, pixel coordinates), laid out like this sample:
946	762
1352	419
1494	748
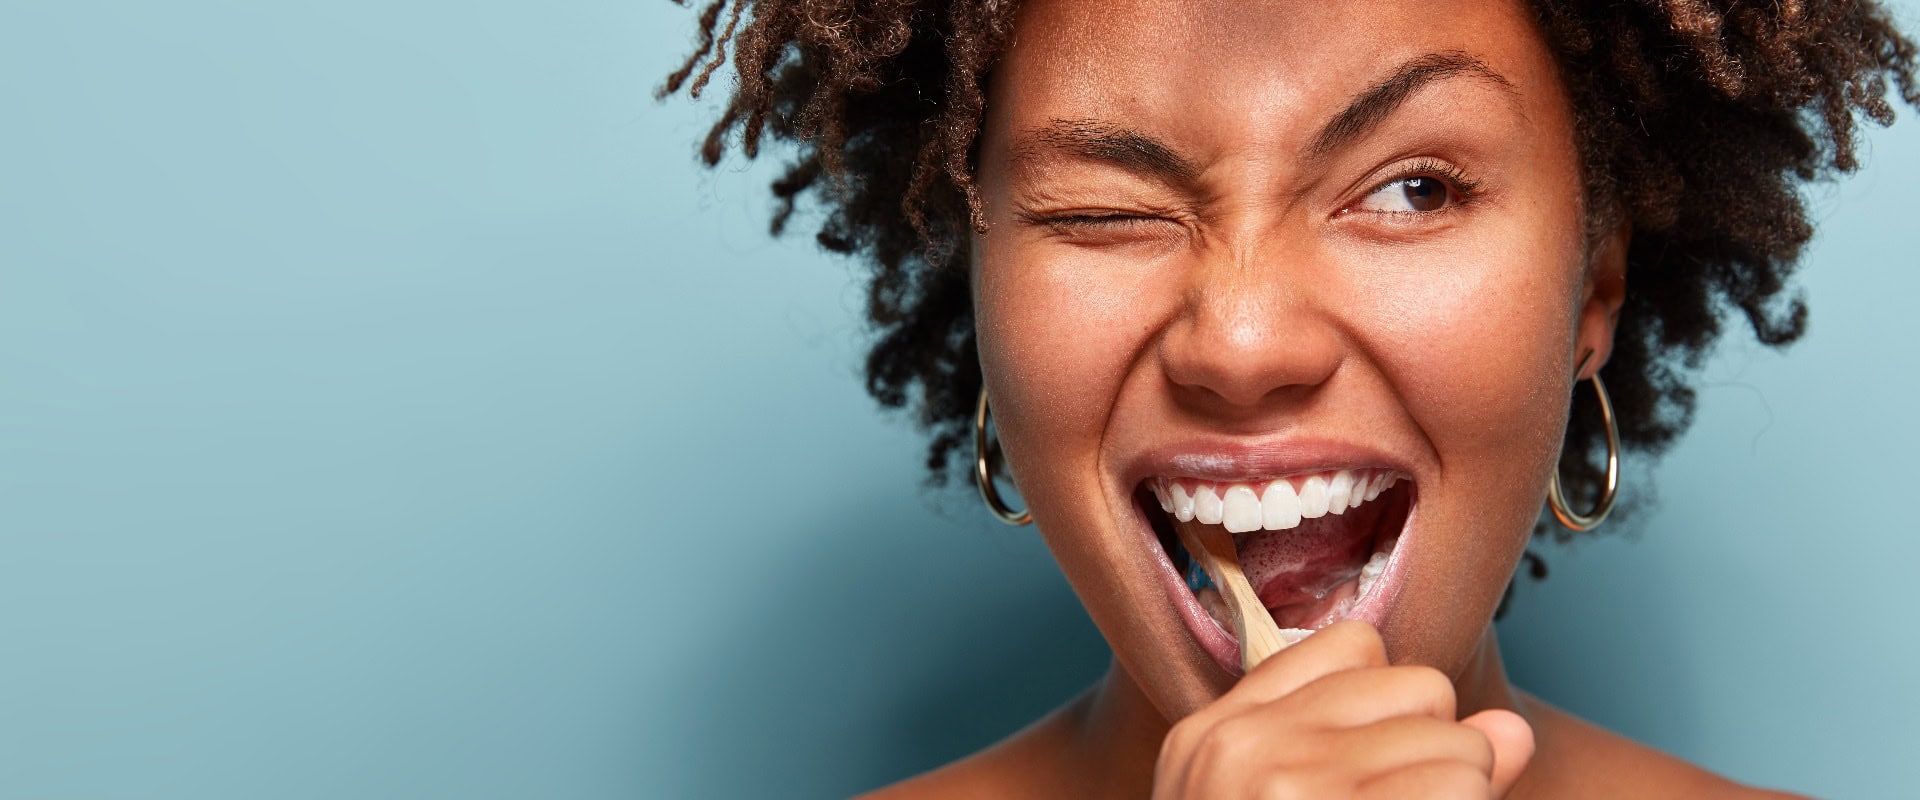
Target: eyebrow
1373	106
1138	152
1094	140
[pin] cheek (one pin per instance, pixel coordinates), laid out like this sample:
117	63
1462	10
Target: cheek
1475	342
1475	347
1057	337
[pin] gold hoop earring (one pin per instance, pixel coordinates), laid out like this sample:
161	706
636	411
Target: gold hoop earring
1558	500
983	471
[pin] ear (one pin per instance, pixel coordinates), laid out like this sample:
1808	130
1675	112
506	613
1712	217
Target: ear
1601	298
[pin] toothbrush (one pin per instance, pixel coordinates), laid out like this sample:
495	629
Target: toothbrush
1213	548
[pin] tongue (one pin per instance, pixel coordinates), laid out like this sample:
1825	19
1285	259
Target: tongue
1304	573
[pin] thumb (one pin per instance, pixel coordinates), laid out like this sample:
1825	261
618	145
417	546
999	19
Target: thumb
1512	740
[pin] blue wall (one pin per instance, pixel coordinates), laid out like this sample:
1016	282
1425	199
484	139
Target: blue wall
390	408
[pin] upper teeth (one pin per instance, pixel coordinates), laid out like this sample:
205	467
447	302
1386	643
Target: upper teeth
1276	504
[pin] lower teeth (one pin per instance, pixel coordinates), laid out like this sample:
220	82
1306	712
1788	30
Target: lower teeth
1369	574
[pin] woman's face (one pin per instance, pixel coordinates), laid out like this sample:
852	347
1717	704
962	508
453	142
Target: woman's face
1234	245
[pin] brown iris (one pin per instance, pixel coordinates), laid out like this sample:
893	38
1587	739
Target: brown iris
1424	194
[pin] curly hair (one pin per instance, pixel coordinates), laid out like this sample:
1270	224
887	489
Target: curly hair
1698	121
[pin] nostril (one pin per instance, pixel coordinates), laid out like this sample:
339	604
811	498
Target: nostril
1223	386
1224	396
1244	364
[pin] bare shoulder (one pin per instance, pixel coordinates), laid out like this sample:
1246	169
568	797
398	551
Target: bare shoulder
1026	764
977	775
1587	760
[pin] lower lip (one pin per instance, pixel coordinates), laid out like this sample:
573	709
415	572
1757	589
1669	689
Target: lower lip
1220	643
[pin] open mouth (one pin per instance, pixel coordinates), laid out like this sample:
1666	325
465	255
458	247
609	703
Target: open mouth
1316	547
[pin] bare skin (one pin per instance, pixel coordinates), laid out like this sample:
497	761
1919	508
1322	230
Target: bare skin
1087	749
1275	237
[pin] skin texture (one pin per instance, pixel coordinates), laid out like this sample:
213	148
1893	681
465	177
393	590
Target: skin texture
1275	292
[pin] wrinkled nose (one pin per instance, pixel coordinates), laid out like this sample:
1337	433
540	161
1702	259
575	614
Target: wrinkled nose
1253	333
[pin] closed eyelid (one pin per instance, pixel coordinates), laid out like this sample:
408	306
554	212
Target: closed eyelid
1096	219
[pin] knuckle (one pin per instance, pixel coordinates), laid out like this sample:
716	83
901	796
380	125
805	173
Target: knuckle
1232	741
1298	785
1479	747
1181	738
1281	787
1448	780
1426	682
1457	780
1168	763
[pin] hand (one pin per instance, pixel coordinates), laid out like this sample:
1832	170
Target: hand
1329	718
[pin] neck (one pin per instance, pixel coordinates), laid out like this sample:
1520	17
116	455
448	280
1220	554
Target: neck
1116	731
1482	683
1116	734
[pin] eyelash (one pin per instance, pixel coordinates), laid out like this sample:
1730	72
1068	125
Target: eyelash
1464	189
1096	220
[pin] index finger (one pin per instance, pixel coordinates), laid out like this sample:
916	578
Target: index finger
1344	645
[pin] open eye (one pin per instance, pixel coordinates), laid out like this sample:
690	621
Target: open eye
1418	194
1418	191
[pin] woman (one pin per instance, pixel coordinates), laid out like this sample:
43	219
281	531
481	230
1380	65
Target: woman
1352	282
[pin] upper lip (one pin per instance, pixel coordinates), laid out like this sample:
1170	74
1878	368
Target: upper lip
1239	459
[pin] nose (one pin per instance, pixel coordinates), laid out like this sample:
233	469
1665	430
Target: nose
1251	334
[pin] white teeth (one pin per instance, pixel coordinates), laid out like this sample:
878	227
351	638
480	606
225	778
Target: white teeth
1276	507
1369	575
1293	636
1241	509
1216	607
1340	492
1182	503
1206	505
1279	506
1313	497
1370	571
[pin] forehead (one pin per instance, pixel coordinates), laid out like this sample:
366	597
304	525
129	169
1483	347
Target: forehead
1215	66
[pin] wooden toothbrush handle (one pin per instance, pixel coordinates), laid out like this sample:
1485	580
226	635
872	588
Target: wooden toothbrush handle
1259	636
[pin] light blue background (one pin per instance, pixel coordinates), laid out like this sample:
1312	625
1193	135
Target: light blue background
390	408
